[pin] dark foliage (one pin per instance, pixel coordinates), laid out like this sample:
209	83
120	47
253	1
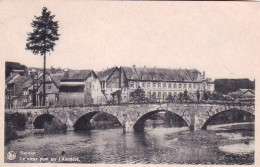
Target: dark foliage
9	66
225	86
44	35
14	122
138	95
105	117
17	121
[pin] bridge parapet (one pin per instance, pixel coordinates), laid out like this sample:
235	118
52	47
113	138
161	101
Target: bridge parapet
195	114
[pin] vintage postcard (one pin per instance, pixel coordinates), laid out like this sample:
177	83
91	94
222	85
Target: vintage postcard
98	82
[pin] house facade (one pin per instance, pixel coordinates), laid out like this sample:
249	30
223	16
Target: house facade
114	84
52	83
79	88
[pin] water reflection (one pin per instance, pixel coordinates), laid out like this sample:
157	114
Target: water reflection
155	145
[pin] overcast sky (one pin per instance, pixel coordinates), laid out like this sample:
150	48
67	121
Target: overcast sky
220	38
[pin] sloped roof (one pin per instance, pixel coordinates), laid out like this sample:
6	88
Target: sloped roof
245	90
78	74
56	78
161	74
28	82
19	79
131	73
240	92
103	75
11	77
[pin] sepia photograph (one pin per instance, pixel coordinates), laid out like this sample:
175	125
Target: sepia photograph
97	82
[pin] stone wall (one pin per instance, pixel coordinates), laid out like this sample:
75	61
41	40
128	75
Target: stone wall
195	115
71	99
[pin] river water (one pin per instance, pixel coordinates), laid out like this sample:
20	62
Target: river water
217	145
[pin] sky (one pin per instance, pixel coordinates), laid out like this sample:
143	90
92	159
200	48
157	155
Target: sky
220	38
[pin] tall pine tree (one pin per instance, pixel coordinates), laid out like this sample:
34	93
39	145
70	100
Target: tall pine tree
42	39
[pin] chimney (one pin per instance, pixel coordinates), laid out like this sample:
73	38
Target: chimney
66	73
134	66
203	75
120	77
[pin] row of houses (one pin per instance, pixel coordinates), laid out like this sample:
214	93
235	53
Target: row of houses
112	85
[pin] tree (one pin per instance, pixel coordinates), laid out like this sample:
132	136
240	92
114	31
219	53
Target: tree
170	98
42	39
138	95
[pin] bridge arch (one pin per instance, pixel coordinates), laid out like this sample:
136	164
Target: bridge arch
39	121
140	123
83	122
244	114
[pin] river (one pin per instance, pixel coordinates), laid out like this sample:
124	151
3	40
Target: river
217	145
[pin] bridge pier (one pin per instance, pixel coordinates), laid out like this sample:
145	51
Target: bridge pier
128	127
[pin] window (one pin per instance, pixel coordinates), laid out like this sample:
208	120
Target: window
164	85
204	85
154	85
132	84
159	85
179	85
164	95
194	86
190	86
185	86
148	94
143	84
174	86
154	94
148	85
169	85
25	92
159	94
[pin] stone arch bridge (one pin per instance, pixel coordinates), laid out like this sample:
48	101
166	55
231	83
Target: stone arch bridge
133	116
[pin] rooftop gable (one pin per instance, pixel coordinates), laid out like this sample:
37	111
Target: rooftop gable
105	74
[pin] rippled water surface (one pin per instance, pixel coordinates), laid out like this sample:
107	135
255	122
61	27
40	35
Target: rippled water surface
159	145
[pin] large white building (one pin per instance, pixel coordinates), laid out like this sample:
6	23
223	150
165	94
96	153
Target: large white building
118	82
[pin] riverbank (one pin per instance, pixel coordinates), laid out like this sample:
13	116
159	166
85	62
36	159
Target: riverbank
16	128
232	142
